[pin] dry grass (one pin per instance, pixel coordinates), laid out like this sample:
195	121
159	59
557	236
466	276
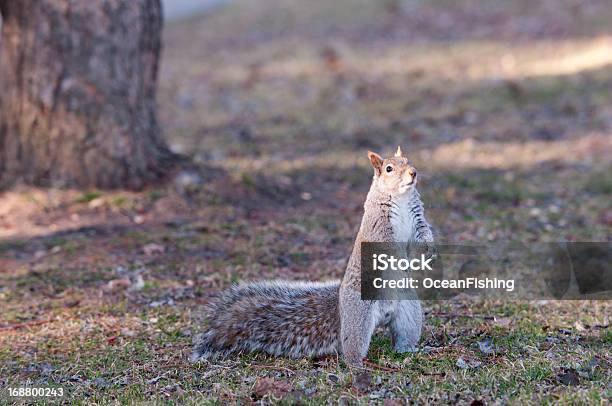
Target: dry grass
504	110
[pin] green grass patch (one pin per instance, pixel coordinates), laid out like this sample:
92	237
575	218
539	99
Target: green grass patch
88	196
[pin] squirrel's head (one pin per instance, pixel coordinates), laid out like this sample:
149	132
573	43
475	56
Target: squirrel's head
394	175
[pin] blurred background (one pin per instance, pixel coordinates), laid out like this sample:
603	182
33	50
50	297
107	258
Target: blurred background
504	107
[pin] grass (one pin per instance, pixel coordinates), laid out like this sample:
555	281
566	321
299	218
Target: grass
600	183
518	373
509	131
89	196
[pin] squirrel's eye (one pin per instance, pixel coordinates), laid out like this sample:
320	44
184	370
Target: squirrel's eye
389	168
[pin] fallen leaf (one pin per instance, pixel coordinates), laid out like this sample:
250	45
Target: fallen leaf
502	321
46	368
116	284
486	346
569	377
153	249
126	332
95	203
101	383
393	402
588	370
270	386
137	284
72	303
462	364
579	326
362	381
158	378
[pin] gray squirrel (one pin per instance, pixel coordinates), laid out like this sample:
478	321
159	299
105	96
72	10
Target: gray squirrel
311	319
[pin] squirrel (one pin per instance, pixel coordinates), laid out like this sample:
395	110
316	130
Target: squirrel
312	319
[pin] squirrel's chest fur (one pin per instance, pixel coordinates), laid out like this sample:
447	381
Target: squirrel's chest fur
402	220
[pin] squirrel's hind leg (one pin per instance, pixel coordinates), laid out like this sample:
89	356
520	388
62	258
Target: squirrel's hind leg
406	325
356	328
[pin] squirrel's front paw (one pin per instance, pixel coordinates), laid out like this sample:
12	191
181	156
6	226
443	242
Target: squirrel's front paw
431	252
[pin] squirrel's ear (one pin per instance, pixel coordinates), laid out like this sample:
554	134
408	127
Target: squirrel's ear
376	161
398	153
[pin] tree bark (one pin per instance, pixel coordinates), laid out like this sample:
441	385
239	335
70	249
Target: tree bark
77	93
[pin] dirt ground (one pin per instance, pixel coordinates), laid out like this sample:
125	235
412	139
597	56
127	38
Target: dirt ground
505	110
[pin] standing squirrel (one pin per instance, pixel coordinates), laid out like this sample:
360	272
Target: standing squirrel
310	319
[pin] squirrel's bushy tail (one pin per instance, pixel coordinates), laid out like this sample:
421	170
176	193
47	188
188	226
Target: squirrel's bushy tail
294	319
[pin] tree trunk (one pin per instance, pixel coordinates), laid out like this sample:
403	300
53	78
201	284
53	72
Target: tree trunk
77	93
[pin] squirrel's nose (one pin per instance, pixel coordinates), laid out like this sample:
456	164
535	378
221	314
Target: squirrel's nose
412	172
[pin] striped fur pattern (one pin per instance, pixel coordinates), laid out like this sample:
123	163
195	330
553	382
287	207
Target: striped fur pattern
293	319
408	219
